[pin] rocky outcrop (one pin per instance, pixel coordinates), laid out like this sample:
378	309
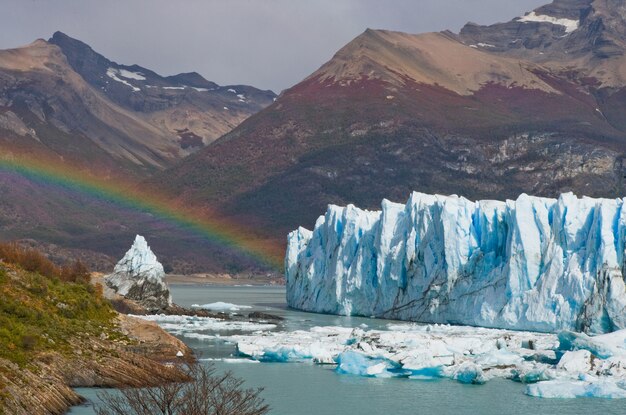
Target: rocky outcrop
140	277
140	357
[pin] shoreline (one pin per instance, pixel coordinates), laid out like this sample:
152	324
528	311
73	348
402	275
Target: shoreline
143	360
224	280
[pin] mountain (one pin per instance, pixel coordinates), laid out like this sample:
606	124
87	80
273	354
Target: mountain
67	109
532	264
62	98
535	105
187	107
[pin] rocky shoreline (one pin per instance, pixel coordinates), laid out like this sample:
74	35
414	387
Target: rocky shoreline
139	357
125	351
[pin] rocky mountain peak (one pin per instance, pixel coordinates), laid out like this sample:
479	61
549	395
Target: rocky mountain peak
192	79
565	9
603	28
564	28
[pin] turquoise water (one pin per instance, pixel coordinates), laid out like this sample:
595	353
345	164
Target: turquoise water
306	389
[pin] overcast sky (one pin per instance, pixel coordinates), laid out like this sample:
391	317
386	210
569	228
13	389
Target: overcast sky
271	44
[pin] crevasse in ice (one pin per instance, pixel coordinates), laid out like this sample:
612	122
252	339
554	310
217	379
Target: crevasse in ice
528	264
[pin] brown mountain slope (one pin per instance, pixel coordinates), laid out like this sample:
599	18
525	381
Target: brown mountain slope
184	106
141	126
439	113
48	108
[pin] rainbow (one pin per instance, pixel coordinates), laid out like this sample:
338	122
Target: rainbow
214	227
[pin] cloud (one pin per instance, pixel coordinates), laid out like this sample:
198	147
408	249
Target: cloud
271	44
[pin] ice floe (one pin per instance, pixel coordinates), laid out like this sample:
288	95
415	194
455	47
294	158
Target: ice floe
201	327
221	306
564	365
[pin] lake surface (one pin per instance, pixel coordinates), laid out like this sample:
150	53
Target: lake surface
306	389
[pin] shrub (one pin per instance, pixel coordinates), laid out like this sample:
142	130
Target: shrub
34	261
207	393
29	341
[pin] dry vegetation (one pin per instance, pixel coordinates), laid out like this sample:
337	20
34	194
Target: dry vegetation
32	260
208	393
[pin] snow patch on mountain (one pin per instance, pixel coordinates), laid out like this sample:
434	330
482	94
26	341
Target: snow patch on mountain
569	24
531	264
114	72
138	76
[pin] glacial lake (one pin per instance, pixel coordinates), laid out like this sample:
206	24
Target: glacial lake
307	389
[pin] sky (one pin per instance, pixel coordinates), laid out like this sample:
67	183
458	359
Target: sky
270	44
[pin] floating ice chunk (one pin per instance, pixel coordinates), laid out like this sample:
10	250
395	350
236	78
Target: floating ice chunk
320	344
191	326
469	372
221	306
602	347
532	373
577	389
575	362
354	363
499	357
615	341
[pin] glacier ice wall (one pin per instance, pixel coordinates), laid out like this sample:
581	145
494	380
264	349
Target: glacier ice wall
529	264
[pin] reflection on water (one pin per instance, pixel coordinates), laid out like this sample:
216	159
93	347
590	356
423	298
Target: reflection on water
305	389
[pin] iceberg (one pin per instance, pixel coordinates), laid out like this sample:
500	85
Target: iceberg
139	276
578	389
354	363
535	264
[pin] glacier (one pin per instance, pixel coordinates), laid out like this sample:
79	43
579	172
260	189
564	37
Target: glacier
535	264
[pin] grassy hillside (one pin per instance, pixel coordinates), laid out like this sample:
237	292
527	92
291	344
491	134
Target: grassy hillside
39	313
57	332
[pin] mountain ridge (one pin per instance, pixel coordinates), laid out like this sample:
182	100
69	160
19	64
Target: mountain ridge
393	112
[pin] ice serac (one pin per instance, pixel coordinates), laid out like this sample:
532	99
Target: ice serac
139	276
528	264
